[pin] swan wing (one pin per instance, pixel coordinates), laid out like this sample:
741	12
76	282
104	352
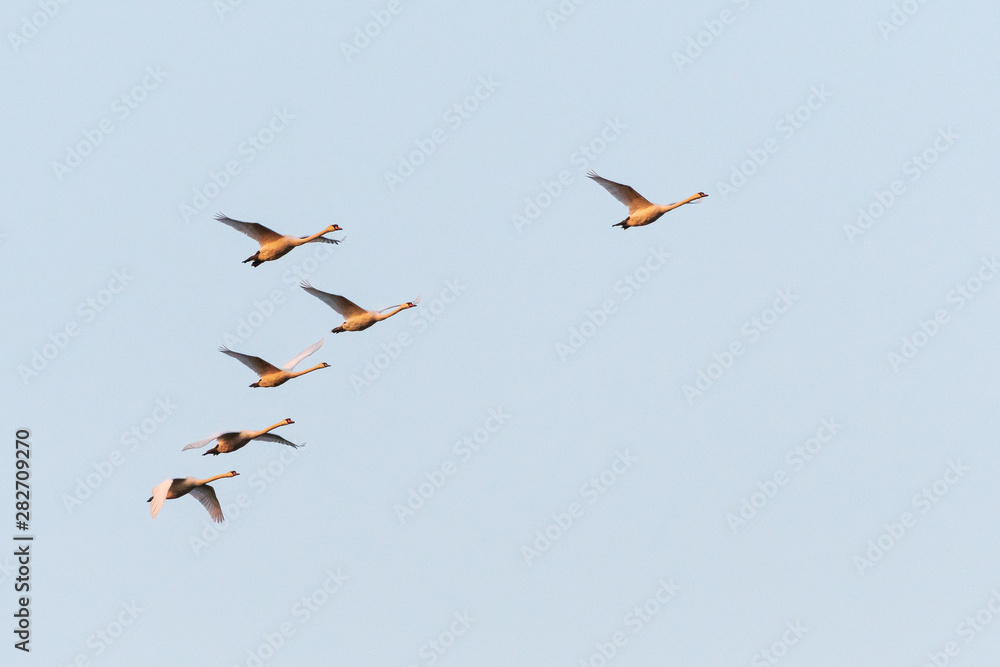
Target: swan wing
201	443
302	355
623	193
159	495
256	231
206	496
323	239
270	437
345	307
256	364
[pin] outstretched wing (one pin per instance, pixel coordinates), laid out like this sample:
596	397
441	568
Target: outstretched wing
256	364
323	239
343	306
201	443
302	355
159	495
622	193
206	496
256	231
270	437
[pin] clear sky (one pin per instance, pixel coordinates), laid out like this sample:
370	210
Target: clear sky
758	431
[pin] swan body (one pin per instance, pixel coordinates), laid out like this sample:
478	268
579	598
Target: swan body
641	211
199	488
355	317
233	440
271	376
272	244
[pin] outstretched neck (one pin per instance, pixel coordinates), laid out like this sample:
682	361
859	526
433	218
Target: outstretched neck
296	374
383	316
690	199
270	428
212	479
312	237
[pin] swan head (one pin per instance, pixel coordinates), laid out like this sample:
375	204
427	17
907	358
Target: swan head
288	421
700	195
324	365
412	304
232	473
333	228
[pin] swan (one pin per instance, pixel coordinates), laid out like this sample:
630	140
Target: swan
271	376
355	317
199	488
272	244
233	440
641	211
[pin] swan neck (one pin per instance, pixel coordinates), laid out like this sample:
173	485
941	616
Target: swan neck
313	237
296	374
383	316
212	479
272	427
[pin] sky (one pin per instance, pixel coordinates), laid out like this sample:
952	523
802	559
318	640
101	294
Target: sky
759	431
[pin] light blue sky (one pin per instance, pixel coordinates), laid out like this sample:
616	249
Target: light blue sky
259	113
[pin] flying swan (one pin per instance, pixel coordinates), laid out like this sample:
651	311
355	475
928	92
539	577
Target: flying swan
641	211
199	488
271	376
233	440
272	244
355	317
